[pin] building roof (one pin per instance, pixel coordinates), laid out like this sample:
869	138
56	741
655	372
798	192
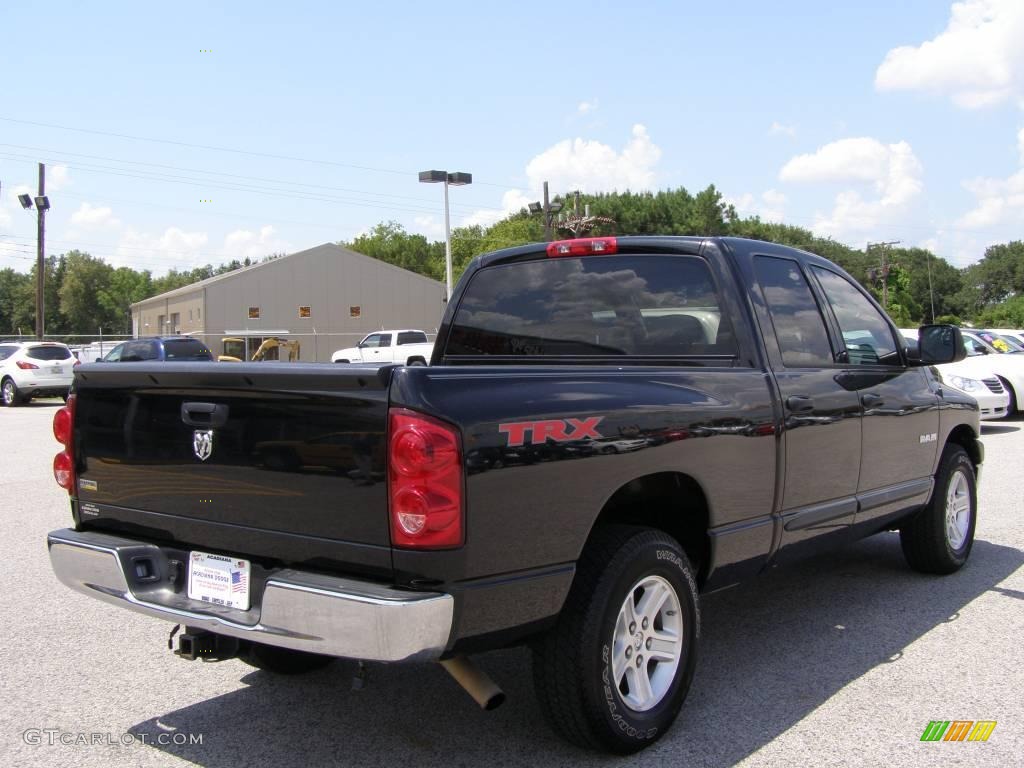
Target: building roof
337	249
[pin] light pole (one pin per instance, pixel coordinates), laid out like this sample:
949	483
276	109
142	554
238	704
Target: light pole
42	206
457	179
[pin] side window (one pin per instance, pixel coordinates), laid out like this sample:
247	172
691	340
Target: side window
973	347
385	340
372	341
7	351
114	355
867	335
135	351
799	327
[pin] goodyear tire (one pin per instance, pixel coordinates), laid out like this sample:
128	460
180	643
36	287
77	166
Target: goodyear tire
282	661
938	538
614	671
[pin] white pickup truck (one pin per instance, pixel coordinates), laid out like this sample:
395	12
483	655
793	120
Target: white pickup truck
408	347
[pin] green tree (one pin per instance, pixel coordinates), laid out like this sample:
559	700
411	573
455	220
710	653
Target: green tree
14	286
85	300
389	242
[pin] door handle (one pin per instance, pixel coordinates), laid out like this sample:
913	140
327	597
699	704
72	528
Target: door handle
871	400
800	404
208	415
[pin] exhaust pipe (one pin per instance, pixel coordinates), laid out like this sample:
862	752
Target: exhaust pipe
475	682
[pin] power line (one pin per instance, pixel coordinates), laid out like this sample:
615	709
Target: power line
227	186
54	159
213	148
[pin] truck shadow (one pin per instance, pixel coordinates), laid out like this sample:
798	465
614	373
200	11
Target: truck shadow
772	652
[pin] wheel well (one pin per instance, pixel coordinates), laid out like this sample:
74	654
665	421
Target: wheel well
964	436
1009	388
671	502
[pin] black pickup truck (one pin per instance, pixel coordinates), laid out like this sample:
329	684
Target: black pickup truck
608	427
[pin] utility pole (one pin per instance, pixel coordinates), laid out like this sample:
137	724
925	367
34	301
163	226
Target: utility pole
549	210
883	268
931	291
581	223
40	255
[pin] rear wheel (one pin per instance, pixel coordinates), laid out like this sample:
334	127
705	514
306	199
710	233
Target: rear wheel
283	661
9	393
614	671
938	538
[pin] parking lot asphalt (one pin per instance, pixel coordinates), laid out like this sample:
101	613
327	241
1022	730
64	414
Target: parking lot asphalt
841	660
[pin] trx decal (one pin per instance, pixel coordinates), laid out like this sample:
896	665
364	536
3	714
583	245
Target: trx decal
522	432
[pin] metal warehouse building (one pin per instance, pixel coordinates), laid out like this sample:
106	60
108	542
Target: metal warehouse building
326	298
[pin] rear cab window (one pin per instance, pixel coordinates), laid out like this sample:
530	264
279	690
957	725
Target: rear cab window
49	352
411	337
641	306
181	350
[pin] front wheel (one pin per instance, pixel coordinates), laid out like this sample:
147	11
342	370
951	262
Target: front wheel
938	538
615	669
9	393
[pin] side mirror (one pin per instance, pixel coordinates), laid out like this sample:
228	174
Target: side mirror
938	344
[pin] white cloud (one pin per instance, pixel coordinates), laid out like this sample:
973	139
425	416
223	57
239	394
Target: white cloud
780	129
891	171
174	248
592	166
978	60
57	178
431	227
770	206
586	107
90	216
243	243
10	206
997	201
582	164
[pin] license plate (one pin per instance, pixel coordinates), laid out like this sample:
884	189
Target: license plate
57	369
219	579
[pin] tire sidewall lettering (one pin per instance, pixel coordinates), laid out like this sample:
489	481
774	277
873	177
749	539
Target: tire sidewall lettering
670	565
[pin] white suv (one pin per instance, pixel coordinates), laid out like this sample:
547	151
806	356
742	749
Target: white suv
34	369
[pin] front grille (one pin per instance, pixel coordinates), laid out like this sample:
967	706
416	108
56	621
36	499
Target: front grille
994	384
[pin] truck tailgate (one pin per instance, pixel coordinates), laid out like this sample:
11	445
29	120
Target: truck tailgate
281	461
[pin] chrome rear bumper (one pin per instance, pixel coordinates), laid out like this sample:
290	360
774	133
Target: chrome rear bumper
304	611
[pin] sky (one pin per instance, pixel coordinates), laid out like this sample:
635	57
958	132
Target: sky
181	134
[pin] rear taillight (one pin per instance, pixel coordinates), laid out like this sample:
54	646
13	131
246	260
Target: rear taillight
424	482
26	366
64	462
584	246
